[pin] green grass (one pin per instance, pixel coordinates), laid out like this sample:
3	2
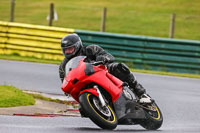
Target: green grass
11	97
144	17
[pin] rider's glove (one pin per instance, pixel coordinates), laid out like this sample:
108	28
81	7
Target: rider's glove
103	59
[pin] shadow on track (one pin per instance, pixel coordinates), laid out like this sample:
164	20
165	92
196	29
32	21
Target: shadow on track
92	129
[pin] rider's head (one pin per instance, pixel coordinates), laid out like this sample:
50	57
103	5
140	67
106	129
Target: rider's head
71	45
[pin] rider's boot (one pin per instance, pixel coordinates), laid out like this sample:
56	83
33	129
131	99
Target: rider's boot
138	89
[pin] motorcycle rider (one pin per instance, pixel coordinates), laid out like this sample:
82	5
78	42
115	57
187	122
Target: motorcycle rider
71	46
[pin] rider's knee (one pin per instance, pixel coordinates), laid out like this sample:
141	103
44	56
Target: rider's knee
119	70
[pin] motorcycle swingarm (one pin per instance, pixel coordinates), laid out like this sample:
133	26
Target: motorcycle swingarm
132	117
127	112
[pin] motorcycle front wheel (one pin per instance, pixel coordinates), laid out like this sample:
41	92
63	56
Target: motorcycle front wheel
104	117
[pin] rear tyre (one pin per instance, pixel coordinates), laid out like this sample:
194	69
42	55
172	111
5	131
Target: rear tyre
103	117
154	118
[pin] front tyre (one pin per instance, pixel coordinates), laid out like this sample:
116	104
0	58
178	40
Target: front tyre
104	117
154	117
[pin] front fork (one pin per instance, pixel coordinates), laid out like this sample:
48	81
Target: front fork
101	99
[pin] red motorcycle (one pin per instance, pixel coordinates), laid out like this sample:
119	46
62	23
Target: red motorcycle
105	99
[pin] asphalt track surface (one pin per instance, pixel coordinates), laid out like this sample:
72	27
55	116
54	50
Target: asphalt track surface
178	99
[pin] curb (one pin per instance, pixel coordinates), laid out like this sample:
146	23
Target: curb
46	115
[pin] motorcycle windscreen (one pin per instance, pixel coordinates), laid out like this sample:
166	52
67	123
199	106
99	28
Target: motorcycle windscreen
73	63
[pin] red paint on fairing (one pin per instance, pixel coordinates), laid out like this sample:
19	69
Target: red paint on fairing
76	80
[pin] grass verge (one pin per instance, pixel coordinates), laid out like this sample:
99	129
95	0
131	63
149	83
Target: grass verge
38	96
11	97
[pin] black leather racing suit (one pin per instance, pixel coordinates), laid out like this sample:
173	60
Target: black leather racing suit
120	70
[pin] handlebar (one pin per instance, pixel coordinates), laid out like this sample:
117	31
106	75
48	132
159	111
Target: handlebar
97	63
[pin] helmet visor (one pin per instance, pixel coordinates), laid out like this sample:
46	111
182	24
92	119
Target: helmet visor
69	50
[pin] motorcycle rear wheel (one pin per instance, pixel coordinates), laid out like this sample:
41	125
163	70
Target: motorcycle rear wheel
154	119
103	117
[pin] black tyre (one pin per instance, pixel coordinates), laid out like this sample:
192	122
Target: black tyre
103	117
154	118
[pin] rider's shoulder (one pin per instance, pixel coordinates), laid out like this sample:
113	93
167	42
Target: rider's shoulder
93	46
